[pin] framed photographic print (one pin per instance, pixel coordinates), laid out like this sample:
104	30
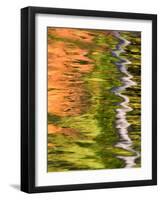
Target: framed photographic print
89	99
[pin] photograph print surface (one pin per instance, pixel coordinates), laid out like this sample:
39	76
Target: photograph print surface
94	99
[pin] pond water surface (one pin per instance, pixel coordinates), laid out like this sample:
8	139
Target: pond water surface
94	92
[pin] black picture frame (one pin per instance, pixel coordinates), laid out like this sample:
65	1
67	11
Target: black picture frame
28	98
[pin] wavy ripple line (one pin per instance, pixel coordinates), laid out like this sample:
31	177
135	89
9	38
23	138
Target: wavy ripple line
121	122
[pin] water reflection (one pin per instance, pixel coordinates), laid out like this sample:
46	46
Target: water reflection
122	124
81	107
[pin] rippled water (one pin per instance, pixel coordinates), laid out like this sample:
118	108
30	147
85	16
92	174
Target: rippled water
93	117
121	121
